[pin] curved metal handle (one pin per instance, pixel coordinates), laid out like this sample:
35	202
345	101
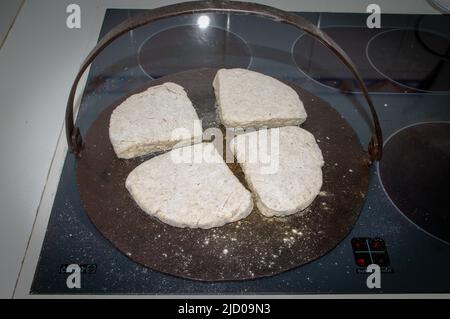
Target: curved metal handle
74	138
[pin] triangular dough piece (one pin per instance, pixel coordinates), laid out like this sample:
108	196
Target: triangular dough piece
146	122
199	193
251	99
295	175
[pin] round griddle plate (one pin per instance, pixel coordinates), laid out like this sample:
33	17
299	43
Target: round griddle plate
415	172
253	247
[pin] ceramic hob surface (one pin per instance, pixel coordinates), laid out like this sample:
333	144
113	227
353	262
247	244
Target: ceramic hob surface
404	224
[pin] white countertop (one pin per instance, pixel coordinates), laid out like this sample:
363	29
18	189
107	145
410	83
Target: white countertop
38	62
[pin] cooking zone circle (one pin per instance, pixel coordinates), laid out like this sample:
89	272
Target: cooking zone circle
189	47
415	173
318	63
415	59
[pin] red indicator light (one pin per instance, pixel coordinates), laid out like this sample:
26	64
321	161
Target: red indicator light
361	262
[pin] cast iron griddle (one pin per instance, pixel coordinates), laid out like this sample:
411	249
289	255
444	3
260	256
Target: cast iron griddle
253	247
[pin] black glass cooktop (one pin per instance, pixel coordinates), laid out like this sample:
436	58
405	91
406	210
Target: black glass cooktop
403	225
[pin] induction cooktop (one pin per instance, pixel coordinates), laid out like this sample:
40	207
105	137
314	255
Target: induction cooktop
404	226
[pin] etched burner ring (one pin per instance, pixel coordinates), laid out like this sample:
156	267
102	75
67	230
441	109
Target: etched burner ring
415	174
415	59
317	63
187	47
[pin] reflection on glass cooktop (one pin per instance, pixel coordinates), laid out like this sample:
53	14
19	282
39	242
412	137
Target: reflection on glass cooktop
405	65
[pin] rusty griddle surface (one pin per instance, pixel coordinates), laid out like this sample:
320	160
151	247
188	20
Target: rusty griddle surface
256	246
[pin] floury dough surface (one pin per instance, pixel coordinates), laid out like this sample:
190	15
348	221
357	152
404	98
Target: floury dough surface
145	122
295	183
251	99
195	194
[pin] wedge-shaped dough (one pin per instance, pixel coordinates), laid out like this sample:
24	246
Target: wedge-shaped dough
198	193
145	122
251	99
297	179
